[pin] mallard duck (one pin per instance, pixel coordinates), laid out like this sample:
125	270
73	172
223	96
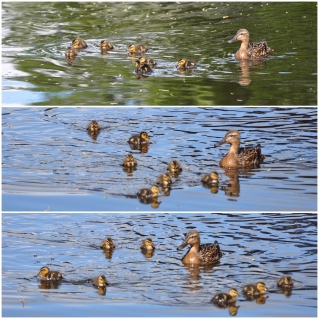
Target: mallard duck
79	44
255	290
199	254
164	180
143	69
285	282
93	126
139	139
150	62
70	53
174	167
147	245
210	179
106	46
223	300
237	156
46	274
186	64
107	244
148	192
137	48
252	50
129	161
100	281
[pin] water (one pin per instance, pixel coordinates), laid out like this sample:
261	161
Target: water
35	36
51	163
257	247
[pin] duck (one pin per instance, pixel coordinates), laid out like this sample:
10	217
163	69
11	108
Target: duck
139	139
210	179
245	157
144	69
79	44
174	167
250	50
148	61
255	290
164	180
129	161
70	53
93	126
147	245
148	192
137	48
223	300
100	281
46	274
106	46
285	282
107	244
199	254
186	64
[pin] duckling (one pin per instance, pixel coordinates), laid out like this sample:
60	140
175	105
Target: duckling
174	167
70	53
223	300
106	46
129	161
100	281
93	126
285	282
107	244
255	290
186	64
139	139
46	274
150	62
137	48
148	193
143	69
164	180
79	44
211	179
147	244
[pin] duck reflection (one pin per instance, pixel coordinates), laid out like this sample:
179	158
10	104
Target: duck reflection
129	170
143	148
233	187
153	201
245	65
285	285
48	284
93	134
70	55
211	181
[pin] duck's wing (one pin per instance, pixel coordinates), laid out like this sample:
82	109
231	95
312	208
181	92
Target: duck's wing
210	253
250	156
259	50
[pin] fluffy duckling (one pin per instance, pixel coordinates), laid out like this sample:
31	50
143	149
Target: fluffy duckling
164	180
285	282
135	48
70	53
129	161
148	192
223	300
174	167
147	245
46	274
106	46
211	178
139	139
255	290
143	69
107	244
186	64
93	126
150	62
79	44
100	281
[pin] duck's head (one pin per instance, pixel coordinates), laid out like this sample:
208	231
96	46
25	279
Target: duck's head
144	136
155	190
101	281
129	157
214	176
261	287
231	137
43	271
93	126
132	48
148	244
191	238
181	63
106	45
108	243
142	60
233	292
78	43
241	35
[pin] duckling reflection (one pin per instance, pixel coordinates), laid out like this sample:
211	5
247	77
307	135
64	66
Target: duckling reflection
233	187
143	148
49	284
285	285
211	181
70	55
152	201
129	170
100	283
166	190
147	248
233	309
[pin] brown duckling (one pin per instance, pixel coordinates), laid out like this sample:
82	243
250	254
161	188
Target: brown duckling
285	282
107	244
210	179
150	62
164	180
93	126
137	48
46	274
129	161
70	53
255	290
148	192
223	300
174	167
106	46
186	64
79	44
143	69
139	139
147	245
100	281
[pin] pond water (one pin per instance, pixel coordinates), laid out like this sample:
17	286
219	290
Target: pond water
35	36
51	163
256	247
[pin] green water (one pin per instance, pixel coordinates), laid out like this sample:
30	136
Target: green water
35	36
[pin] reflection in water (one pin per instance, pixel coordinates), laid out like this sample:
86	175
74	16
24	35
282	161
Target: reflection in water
129	170
245	65
233	187
143	148
49	284
261	299
286	291
93	134
152	200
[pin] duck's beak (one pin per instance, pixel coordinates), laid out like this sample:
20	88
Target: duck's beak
234	39
220	142
184	244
